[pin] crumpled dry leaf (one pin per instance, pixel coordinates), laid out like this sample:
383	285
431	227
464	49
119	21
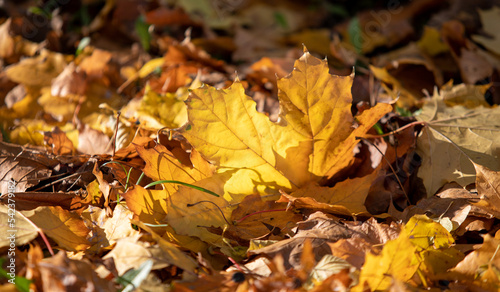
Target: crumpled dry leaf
481	265
22	168
324	231
256	218
59	142
107	231
488	187
59	273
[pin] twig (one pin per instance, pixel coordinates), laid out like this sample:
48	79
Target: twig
116	133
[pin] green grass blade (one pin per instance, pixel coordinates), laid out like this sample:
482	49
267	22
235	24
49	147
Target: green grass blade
181	183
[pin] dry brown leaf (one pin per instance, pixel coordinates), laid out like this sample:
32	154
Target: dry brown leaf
255	218
323	231
67	229
71	81
59	273
91	141
488	187
22	168
480	266
72	201
59	142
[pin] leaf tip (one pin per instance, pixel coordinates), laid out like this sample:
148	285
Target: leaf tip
304	49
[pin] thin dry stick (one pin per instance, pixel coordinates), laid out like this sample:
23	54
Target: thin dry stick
395	174
56	181
116	133
395	131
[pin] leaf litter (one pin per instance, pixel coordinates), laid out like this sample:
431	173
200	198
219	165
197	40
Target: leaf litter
150	164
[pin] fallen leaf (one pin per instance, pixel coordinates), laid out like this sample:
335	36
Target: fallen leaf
100	67
473	65
130	253
71	81
323	231
488	187
332	273
489	19
255	218
60	273
22	168
12	222
349	194
168	109
421	244
110	192
6	40
163	16
171	253
91	141
67	229
453	204
149	205
191	211
314	138
59	142
431	42
161	164
472	131
37	71
107	231
480	266
71	201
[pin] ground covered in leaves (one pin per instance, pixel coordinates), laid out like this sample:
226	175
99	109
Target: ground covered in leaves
236	145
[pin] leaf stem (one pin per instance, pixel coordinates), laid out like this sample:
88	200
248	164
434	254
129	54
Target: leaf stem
395	131
204	201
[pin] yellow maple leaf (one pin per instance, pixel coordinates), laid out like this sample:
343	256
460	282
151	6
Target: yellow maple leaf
423	245
314	138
